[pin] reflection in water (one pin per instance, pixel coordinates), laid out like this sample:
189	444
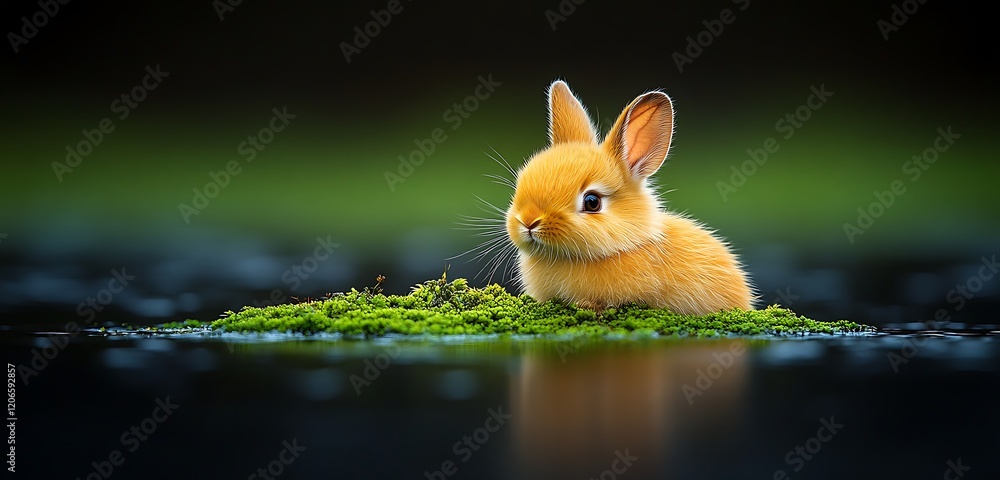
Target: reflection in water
575	411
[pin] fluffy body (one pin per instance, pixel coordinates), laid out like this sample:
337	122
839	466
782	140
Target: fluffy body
631	250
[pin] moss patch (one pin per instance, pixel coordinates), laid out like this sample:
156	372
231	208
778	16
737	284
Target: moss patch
438	307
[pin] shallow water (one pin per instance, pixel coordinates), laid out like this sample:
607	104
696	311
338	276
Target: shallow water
861	406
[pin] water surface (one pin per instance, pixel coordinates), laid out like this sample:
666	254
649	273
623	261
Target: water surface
860	406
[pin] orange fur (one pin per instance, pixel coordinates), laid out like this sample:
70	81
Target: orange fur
631	250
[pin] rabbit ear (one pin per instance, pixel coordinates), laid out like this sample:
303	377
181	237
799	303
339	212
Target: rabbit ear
568	120
641	135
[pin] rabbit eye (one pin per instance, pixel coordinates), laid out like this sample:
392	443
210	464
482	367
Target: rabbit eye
591	202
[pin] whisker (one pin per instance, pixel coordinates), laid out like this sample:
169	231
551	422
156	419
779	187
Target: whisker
503	256
492	208
483	249
512	270
478	226
497	179
470	219
502	162
484	234
498	262
496	253
495	244
490	266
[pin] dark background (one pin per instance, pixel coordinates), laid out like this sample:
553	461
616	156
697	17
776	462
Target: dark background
324	175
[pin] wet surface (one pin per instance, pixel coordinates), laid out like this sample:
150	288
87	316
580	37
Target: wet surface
899	405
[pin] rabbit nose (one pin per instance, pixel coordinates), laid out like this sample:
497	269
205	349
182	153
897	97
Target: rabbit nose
534	223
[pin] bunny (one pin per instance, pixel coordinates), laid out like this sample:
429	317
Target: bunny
590	230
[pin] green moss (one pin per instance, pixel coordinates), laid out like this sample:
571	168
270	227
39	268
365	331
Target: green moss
438	307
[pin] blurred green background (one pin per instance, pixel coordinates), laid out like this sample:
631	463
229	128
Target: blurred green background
324	175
